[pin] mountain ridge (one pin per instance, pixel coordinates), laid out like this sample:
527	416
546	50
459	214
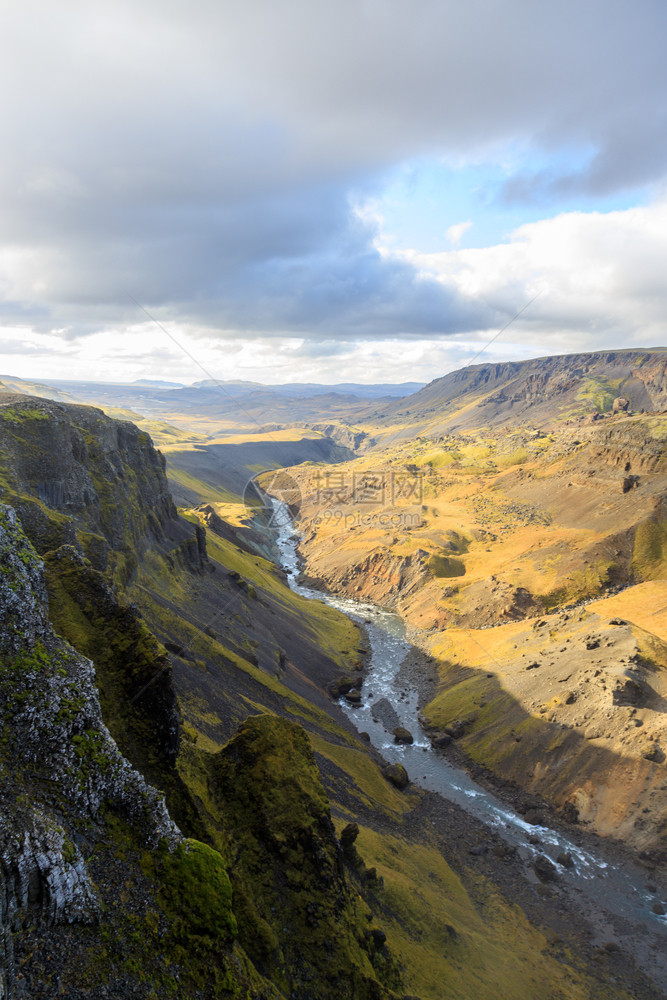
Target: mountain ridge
537	391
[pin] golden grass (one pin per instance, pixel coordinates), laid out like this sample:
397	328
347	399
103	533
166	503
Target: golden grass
644	605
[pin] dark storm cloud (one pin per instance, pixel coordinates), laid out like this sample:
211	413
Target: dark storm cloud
200	156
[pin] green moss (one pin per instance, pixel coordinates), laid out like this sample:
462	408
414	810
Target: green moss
598	393
13	416
168	927
649	557
196	894
446	567
132	670
298	917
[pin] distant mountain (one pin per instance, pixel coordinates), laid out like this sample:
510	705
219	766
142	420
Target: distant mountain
156	383
304	390
235	402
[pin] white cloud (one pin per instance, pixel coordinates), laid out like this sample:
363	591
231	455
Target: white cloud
600	278
456	232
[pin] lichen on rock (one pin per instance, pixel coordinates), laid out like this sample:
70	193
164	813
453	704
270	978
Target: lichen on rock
60	769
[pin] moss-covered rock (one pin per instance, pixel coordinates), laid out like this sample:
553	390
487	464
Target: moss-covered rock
299	918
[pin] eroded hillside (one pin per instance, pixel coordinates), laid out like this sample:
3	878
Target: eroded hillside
492	547
539	393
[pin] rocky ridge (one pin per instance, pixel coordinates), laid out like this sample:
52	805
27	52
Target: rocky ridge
538	392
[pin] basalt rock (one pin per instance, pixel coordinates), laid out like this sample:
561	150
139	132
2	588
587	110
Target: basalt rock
60	767
299	915
70	469
545	870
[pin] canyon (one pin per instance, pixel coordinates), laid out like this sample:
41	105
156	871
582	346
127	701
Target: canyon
188	807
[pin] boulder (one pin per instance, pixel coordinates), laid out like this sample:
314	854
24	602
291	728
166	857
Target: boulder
570	813
348	835
347	838
504	851
402	735
384	712
340	686
628	692
565	860
545	870
396	775
620	405
455	729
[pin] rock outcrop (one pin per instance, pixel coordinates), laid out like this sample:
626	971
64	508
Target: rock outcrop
61	770
70	469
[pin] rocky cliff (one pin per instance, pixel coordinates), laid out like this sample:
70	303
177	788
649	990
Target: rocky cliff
62	773
76	477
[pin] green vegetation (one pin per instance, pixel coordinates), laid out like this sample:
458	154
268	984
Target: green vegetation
132	670
202	491
517	457
298	917
598	393
649	557
11	415
582	584
460	939
446	567
196	894
360	777
328	628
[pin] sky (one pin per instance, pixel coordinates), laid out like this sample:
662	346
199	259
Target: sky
310	190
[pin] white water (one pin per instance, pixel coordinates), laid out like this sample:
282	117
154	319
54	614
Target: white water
599	880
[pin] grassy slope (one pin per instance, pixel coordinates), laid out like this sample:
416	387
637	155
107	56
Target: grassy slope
513	500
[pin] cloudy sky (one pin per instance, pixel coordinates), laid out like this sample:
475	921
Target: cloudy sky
328	190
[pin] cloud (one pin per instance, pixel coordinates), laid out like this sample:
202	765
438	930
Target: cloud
206	160
600	278
456	232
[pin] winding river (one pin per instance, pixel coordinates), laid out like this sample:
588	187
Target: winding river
620	891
